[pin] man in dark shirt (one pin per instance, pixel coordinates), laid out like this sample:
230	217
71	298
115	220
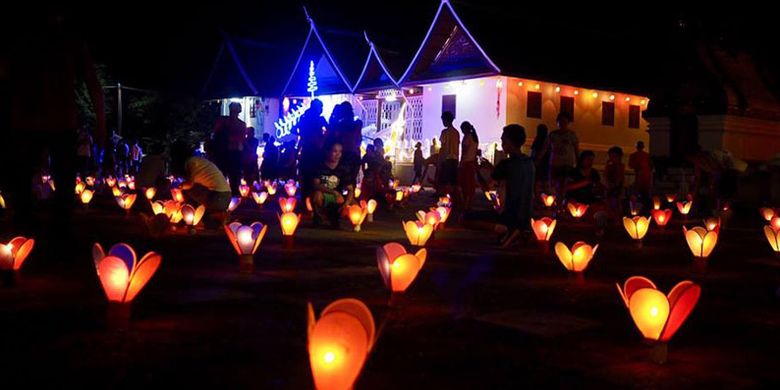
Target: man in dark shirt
515	177
331	178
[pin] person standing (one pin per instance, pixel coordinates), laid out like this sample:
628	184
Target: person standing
229	135
311	130
640	162
136	154
447	170
249	156
270	167
84	152
563	147
467	175
419	164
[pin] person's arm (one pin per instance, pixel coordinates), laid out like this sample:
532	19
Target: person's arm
350	195
96	95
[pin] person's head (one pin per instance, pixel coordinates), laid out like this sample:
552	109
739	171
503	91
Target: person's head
434	142
513	138
346	111
615	154
337	113
563	120
180	152
234	109
541	131
418	145
640	145
266	137
333	152
586	159
447	118
316	107
370	149
379	146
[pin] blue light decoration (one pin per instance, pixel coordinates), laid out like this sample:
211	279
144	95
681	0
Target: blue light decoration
312	85
285	124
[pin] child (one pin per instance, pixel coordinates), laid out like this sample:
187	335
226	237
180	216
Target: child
419	163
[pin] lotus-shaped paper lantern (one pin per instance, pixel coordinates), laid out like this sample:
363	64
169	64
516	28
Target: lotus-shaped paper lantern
548	200
260	198
543	228
116	191
357	193
244	189
287	205
418	232
431	218
339	343
271	188
233	205
636	227
150	193
177	195
371	208
126	201
122	275
684	207
445	201
444	213
658	316
576	259
289	222
291	188
656	203
13	254
416	188
111	181
80	187
773	236
86	196
245	239
671	198
661	217
700	241
577	210
357	214
767	213
192	215
398	268
712	224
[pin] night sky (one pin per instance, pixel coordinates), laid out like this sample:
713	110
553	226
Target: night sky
172	46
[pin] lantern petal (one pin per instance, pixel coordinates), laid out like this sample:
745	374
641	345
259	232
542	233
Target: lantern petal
634	284
708	244
310	320
682	299
145	270
403	272
772	237
337	351
357	309
564	255
97	253
649	309
230	231
259	231
422	255
383	261
114	277
126	253
22	253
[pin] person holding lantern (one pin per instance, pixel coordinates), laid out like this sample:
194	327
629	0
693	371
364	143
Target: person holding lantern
204	184
331	179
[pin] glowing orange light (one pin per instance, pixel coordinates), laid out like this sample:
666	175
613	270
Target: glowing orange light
712	224
773	236
636	227
126	201
684	207
309	208
658	316
357	215
775	223
121	275
86	196
577	210
290	188
656	203
661	217
418	232
416	188
445	201
287	205
444	213
245	239
398	268
543	228
767	213
431	218
671	198
260	198
339	343
399	196
357	193
271	188
243	190
576	92
80	187
177	195
548	200
116	191
289	222
576	259
150	193
192	215
15	252
700	241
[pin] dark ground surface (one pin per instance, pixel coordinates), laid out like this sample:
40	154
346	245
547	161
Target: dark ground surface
477	317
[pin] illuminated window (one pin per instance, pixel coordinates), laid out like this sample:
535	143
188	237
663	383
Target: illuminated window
534	105
567	106
607	114
633	116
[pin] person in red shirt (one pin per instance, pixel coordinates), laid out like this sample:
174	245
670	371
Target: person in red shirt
640	162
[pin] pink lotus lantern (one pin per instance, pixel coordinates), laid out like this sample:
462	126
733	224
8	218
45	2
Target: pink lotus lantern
658	316
661	217
260	198
398	268
577	210
291	188
339	343
444	213
431	218
246	240
15	252
121	274
370	208
287	205
548	200
233	205
126	202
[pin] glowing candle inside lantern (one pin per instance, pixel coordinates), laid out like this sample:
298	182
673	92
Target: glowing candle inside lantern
86	196
671	198
543	228
150	193
658	316
245	239
287	205
576	259
289	222
656	203
684	207
548	200
177	195
371	206
773	236
712	224
636	227
111	181
120	274
661	217
116	191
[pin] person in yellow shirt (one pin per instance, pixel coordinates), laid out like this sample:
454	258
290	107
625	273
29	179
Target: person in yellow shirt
204	184
447	170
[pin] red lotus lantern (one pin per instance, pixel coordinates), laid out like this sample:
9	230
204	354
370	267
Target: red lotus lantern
398	268
661	217
684	207
712	224
15	252
431	218
121	274
287	205
543	228
577	210
548	200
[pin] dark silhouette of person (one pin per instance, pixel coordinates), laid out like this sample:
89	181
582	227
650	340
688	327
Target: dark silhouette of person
312	138
45	64
228	145
270	167
249	160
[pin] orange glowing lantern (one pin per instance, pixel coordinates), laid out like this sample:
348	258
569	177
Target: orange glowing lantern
636	227
700	241
289	222
431	218
116	191
111	181
126	201
260	198
80	187
233	205
444	213
684	207
13	254
656	203
131	184
399	196
577	210
357	214
2	202
309	207
767	213
773	236
121	274
712	224
245	239
357	192
775	223
86	196
371	208
287	205
543	228
291	188
671	198
445	201
177	195
150	193
339	343
661	217
416	188
271	188
191	215
658	316
548	200
398	268
243	190
576	259
418	232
